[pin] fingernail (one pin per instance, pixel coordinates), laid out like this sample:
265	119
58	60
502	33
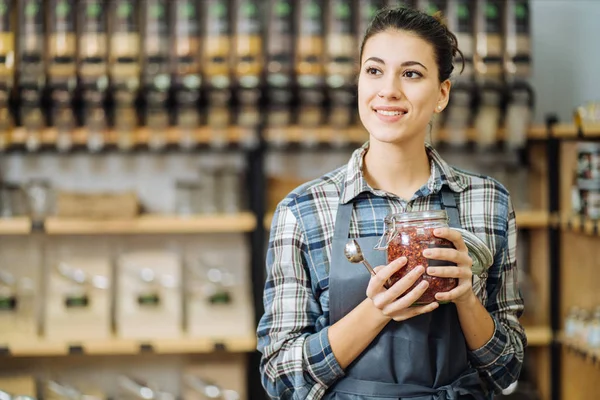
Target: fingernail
437	231
401	259
419	269
424	283
427	252
431	270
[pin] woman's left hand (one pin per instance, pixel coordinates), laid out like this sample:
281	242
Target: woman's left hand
460	255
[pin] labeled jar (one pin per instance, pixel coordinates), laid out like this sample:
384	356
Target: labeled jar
588	160
586	198
409	234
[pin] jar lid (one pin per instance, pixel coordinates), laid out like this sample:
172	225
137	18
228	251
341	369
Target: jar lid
417	216
479	252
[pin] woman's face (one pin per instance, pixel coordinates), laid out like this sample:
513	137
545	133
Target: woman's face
398	87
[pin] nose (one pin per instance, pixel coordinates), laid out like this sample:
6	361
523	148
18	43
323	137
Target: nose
390	89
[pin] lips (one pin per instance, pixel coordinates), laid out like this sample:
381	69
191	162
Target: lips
390	114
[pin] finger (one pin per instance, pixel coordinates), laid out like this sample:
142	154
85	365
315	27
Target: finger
450	272
417	310
451	255
452	235
378	282
453	294
399	288
407	300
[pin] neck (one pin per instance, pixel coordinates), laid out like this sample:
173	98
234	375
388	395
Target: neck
398	169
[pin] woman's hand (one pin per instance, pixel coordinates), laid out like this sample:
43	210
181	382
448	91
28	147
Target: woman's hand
388	301
463	293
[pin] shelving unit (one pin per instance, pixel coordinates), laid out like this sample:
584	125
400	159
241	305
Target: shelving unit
15	226
116	347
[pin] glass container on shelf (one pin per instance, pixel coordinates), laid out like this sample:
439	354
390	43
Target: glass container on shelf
248	46
593	336
341	54
62	61
124	69
279	45
7	64
310	43
156	70
216	48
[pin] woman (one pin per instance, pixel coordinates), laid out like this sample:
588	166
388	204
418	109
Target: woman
320	336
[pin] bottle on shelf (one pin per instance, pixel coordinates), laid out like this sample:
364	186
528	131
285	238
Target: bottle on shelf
187	80
280	69
217	69
156	71
459	114
61	67
92	69
310	72
488	63
248	64
517	50
7	64
124	69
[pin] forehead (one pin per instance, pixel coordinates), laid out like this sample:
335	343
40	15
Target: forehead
396	46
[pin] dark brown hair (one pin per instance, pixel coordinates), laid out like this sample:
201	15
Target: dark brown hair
432	29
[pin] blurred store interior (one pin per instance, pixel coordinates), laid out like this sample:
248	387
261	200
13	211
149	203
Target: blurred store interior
144	145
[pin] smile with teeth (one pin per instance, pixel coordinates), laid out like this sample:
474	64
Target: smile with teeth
390	113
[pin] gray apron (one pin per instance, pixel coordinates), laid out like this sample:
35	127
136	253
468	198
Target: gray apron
423	358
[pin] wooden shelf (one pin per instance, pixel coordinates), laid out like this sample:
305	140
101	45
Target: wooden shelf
15	226
570	131
203	136
356	135
539	335
184	345
532	219
574	223
153	224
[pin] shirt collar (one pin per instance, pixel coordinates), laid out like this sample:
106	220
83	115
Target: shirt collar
441	174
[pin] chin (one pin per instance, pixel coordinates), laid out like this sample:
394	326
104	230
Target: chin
390	134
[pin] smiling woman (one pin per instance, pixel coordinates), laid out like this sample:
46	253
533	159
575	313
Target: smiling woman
334	331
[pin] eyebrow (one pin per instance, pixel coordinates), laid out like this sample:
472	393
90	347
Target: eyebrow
404	64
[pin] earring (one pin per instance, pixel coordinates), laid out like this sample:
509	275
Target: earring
440	108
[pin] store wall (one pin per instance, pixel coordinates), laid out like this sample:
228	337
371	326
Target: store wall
566	55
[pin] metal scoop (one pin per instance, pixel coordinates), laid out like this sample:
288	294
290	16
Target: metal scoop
354	254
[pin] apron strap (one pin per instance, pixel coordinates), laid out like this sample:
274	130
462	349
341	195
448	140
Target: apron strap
342	221
449	204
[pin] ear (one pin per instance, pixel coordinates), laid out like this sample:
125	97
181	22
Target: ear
443	97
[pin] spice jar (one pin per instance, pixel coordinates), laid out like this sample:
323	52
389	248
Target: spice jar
408	234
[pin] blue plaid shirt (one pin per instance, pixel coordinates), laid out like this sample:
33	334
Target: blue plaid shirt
297	361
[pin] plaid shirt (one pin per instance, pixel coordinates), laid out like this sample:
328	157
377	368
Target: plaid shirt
297	361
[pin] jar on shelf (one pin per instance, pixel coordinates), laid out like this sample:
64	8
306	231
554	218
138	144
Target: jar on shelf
593	335
571	322
588	160
582	325
586	198
408	234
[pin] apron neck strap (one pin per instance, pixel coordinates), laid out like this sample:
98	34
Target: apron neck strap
449	204
342	221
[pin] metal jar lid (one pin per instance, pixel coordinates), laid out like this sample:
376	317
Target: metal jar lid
478	251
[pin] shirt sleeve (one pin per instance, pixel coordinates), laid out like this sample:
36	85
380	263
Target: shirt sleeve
297	361
499	361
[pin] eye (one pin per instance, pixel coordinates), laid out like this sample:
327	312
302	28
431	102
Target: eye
412	74
372	71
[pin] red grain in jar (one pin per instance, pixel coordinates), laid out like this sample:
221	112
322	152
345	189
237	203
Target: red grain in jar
408	234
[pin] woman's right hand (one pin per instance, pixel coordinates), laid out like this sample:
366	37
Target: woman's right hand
388	299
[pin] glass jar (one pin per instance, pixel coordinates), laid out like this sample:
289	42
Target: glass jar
593	338
408	234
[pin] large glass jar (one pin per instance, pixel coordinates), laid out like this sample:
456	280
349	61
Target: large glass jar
408	234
